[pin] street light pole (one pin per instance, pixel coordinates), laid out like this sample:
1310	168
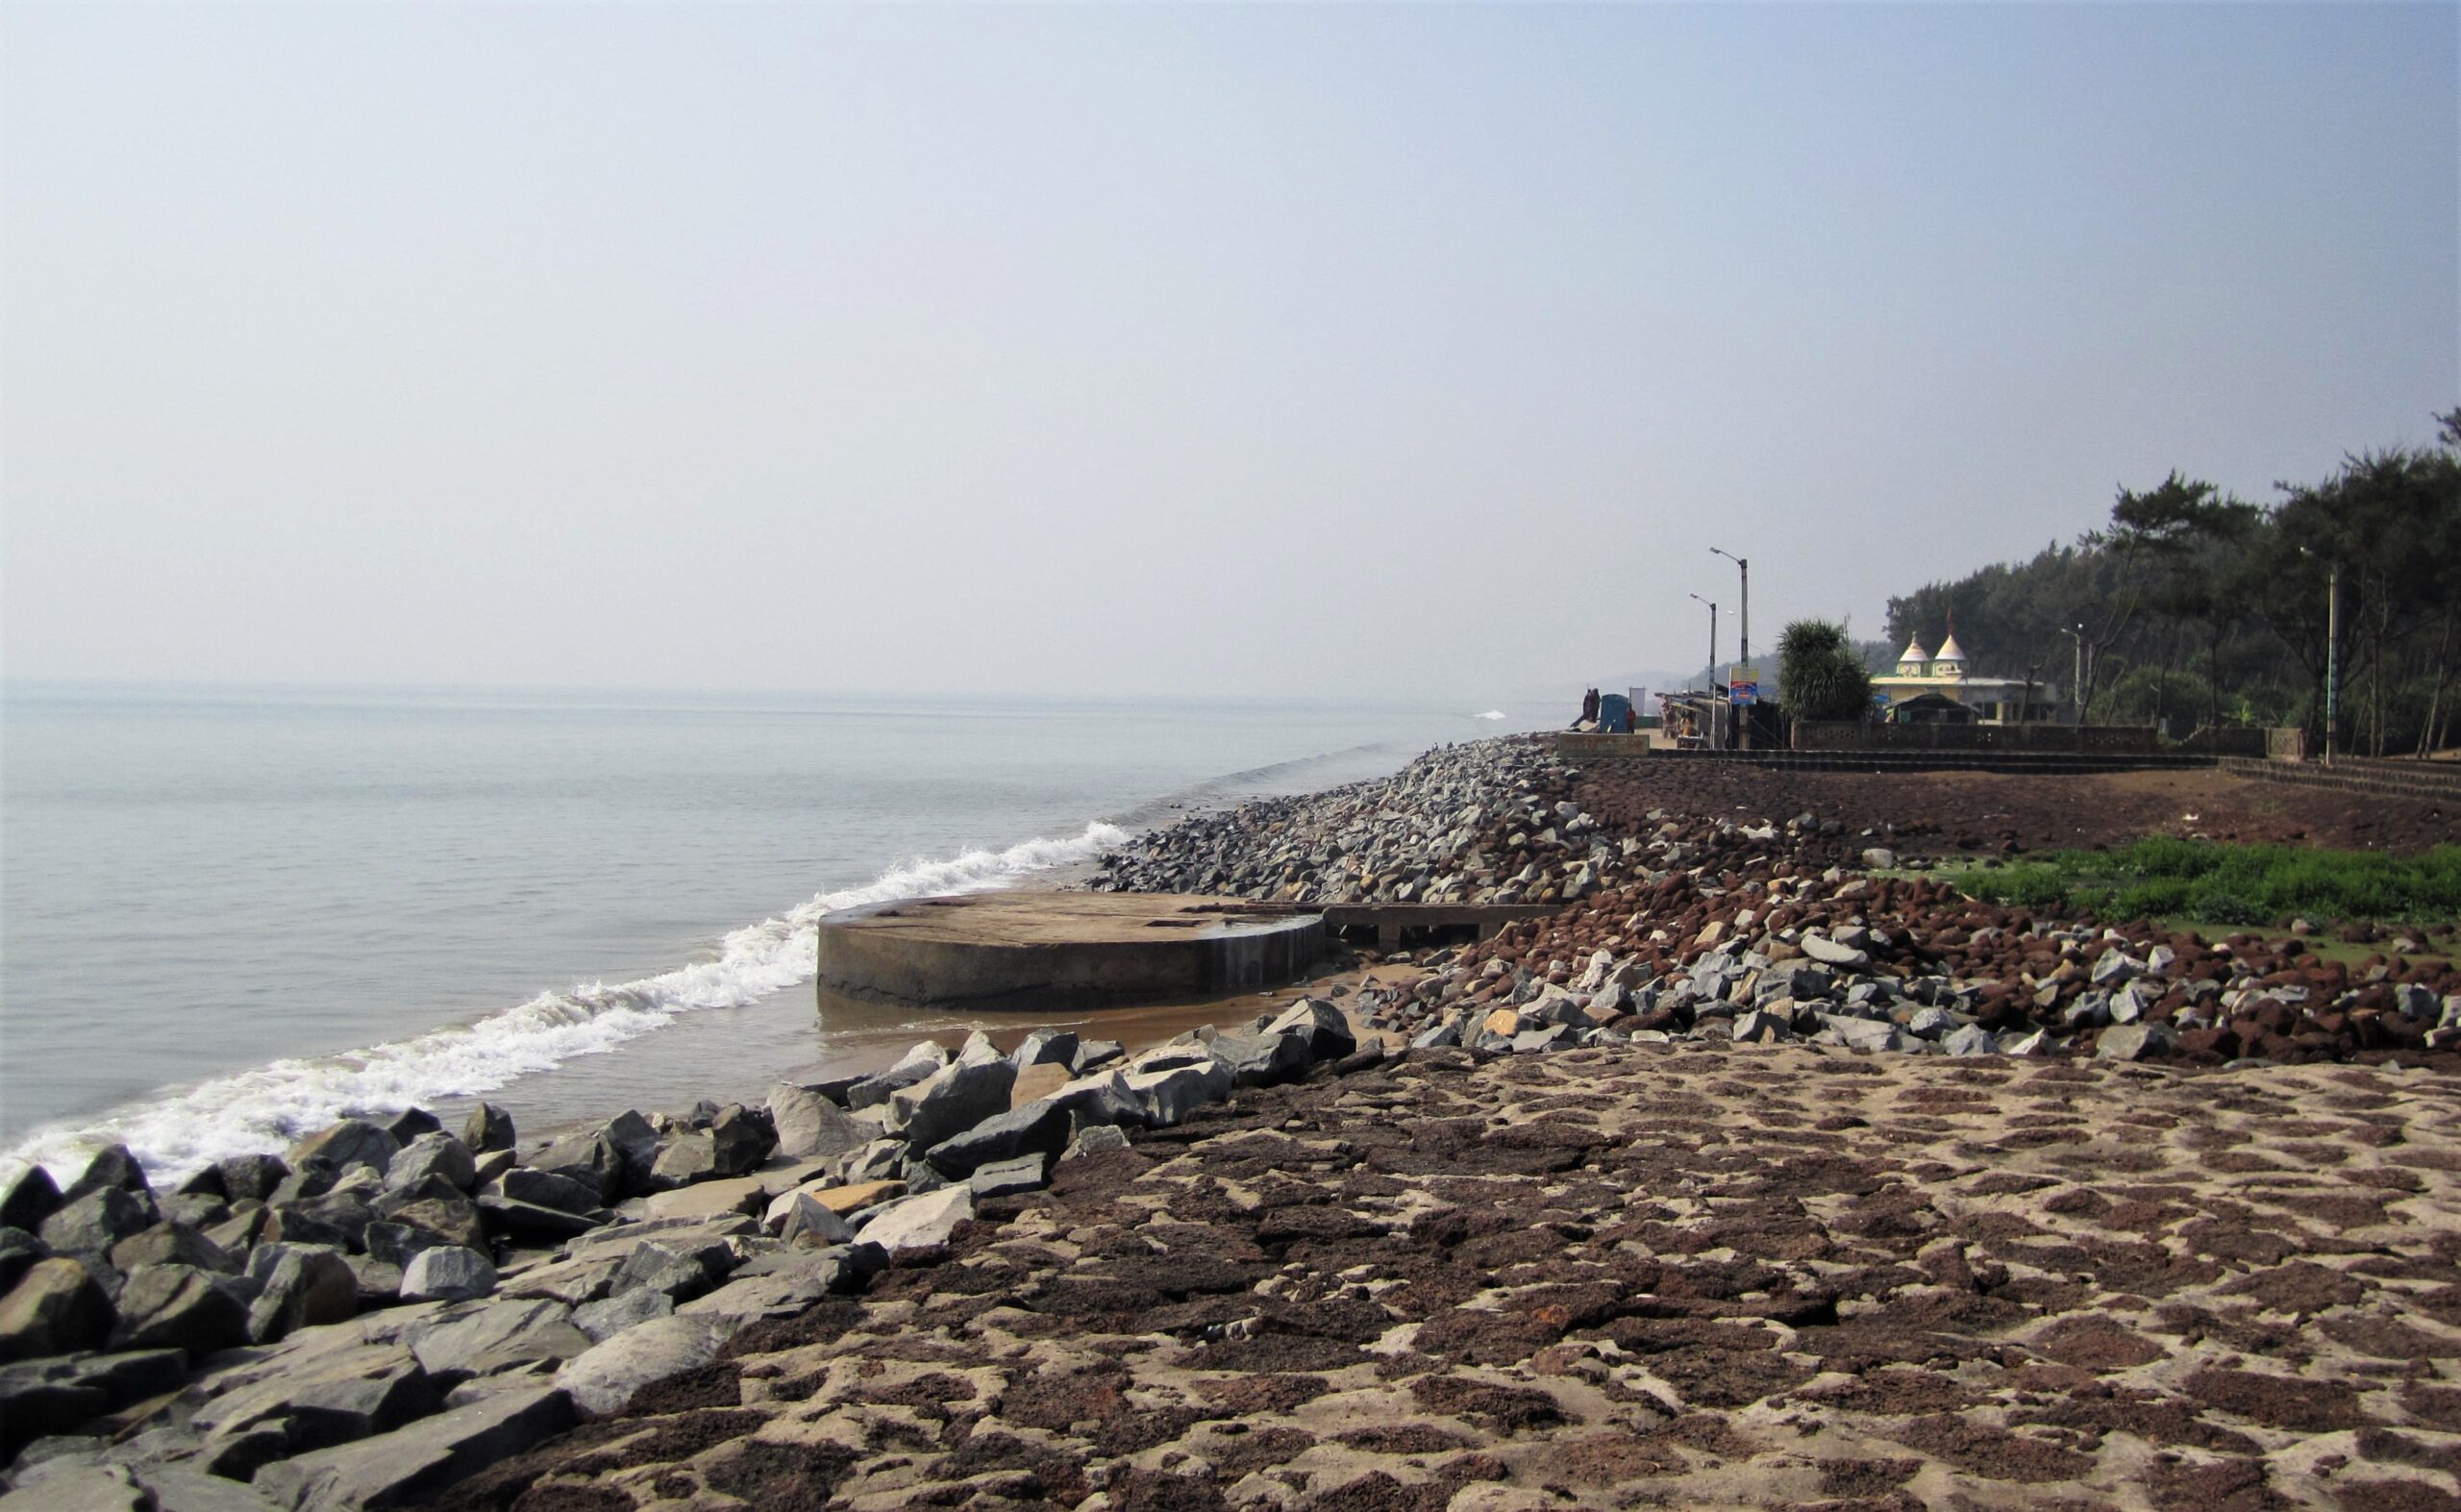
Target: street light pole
2076	684
2332	648
1713	637
1743	653
2333	656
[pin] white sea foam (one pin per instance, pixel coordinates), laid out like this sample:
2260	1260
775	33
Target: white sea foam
1493	714
269	1106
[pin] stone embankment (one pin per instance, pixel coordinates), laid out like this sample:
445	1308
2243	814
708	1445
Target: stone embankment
1768	927
389	1307
1472	823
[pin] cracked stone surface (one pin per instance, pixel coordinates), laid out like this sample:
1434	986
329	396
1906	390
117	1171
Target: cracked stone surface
1645	1275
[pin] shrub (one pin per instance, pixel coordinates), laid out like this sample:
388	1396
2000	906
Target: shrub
2238	884
2153	900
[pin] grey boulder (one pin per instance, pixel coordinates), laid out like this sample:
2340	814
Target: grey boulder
409	1124
548	1189
302	1285
1831	953
447	1274
179	1307
1263	1060
1759	1025
321	1400
743	1138
170	1244
1169	1095
809	1125
610	1316
2135	1041
880	1160
2115	966
919	1064
681	1268
1554	1036
587	1160
413	1463
681	1161
1930	1023
799	1219
1327	1034
451	1219
1010	1177
112	1165
1872	1034
434	1155
252	1178
351	1142
487	1129
529	1222
18	1253
917	1223
1041	1128
55	1306
500	1335
1971	1039
1092	1054
92	1223
605	1377
1101	1098
28	1197
1046	1046
951	1100
81	1488
1094	1139
50	1396
782	1285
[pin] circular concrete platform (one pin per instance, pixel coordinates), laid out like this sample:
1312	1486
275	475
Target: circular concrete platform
1003	951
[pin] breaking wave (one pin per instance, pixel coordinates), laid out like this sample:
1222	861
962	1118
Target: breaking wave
1493	714
269	1106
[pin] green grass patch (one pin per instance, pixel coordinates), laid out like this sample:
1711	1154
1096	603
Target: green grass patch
2234	884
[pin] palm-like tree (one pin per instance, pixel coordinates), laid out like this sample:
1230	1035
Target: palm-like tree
1819	675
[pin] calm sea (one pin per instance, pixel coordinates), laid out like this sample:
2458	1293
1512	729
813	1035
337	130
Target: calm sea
225	918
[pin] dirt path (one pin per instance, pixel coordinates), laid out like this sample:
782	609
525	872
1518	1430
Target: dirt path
1980	812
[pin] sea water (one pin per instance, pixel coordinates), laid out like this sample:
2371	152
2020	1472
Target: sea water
230	917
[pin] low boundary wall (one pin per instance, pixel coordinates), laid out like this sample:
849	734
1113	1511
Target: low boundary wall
2064	739
2436	783
1620	748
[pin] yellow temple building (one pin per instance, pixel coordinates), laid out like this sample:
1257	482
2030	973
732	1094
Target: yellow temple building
1935	687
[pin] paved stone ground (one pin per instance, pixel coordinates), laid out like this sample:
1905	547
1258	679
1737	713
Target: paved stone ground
1687	1277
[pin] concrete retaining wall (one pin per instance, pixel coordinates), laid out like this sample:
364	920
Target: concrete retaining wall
1181	952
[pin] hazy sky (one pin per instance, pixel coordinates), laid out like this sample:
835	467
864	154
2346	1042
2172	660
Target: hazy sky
1084	349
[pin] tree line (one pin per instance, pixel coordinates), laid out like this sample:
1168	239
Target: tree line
2195	607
